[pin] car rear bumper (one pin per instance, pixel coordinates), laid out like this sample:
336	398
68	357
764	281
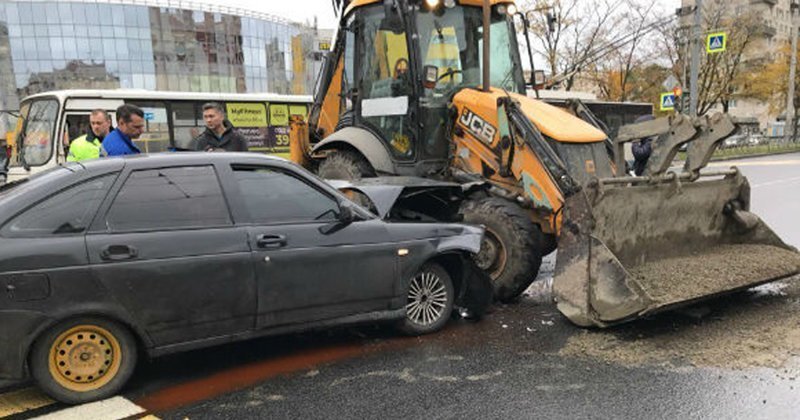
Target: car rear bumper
16	335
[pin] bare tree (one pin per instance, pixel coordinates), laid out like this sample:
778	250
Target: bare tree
720	75
579	27
615	75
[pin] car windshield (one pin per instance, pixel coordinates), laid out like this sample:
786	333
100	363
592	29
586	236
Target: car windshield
452	40
34	144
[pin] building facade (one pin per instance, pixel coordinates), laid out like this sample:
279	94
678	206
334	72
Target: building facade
149	44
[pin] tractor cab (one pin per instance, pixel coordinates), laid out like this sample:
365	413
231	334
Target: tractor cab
394	70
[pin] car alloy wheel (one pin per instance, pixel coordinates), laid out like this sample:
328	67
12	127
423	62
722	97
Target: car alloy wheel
429	302
427	298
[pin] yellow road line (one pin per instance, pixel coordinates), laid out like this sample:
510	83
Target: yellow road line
22	400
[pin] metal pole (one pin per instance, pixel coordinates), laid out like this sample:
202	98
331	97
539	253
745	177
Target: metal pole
530	52
487	10
696	44
790	111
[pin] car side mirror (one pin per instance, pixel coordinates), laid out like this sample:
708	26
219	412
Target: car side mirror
346	215
431	76
343	218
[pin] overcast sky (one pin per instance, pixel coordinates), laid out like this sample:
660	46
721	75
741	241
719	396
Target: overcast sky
305	10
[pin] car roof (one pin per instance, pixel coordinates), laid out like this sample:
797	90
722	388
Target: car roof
176	158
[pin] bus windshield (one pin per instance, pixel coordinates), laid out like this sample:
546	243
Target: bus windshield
34	143
452	40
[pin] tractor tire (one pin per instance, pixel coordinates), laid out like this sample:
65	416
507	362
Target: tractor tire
347	165
511	250
83	359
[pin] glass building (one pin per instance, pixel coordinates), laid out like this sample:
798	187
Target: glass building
149	44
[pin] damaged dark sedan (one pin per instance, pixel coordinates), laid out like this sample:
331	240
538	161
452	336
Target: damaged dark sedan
173	252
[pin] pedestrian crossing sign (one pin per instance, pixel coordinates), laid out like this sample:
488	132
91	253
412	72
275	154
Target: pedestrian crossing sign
716	42
667	101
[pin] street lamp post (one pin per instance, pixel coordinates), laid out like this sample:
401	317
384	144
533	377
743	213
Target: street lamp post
790	110
694	92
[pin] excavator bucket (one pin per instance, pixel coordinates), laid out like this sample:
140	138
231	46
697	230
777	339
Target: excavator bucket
634	246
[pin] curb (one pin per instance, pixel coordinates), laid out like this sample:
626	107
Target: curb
737	157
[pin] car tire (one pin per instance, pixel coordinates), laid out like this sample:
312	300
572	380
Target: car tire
83	359
511	250
429	301
346	165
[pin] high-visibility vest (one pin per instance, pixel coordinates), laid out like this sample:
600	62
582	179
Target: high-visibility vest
83	149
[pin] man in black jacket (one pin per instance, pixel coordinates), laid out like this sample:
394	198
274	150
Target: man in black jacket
219	134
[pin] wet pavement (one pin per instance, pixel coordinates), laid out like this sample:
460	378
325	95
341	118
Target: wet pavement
522	361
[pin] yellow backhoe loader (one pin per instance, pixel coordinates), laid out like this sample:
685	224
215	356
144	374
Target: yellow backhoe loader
435	89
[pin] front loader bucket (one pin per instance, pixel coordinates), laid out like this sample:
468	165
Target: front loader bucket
635	246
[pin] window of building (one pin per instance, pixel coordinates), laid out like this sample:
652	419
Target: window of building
273	197
171	198
65	213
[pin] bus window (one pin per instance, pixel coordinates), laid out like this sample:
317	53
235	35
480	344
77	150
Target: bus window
77	125
156	137
187	121
36	137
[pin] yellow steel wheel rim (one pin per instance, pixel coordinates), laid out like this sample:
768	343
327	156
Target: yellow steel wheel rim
84	358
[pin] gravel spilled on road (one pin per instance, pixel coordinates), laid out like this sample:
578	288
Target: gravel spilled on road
757	328
715	270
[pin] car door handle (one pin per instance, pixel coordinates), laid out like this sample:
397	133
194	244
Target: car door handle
271	241
119	252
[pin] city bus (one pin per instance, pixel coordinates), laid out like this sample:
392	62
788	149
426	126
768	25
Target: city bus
50	120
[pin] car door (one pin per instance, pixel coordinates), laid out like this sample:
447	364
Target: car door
42	250
305	275
167	249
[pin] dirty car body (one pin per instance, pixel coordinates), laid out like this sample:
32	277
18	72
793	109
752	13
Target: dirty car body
191	250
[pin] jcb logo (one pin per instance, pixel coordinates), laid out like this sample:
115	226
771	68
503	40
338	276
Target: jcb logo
477	126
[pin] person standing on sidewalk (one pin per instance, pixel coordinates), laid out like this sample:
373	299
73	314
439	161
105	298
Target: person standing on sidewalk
219	134
130	125
89	145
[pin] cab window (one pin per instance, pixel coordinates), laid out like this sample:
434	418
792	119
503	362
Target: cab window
385	82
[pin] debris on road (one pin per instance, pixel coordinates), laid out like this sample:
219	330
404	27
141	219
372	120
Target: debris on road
757	328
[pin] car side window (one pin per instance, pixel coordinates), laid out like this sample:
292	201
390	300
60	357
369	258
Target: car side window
169	198
67	212
272	196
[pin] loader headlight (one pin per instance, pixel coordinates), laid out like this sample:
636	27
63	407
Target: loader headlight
432	4
507	9
449	4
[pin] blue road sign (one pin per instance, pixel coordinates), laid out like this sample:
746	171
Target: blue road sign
667	101
716	42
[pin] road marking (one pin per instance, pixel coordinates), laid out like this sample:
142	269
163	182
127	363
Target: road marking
756	163
777	181
22	400
114	408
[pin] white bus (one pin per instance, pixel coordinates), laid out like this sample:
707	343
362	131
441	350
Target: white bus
50	120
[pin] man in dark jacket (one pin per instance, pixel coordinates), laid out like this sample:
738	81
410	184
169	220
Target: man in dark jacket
219	134
642	149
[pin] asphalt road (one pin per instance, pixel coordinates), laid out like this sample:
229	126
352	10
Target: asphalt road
522	361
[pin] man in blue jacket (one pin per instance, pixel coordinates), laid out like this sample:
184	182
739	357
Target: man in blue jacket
130	125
